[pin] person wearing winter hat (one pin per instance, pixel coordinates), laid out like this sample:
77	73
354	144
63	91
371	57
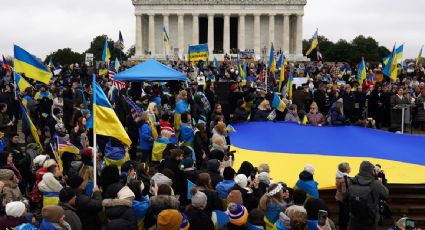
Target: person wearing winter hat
198	217
11	191
169	219
306	182
67	198
50	185
88	207
238	215
15	215
39	161
228	182
264	182
53	218
121	208
249	200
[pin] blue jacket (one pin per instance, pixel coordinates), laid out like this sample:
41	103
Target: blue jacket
310	187
186	134
140	208
146	136
223	188
46	225
273	210
312	224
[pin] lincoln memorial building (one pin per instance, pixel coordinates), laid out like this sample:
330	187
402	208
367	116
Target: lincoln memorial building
228	26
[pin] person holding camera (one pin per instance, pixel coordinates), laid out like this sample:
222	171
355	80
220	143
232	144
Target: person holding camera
365	191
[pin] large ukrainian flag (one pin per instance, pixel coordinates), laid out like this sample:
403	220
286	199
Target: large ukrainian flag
288	147
21	82
105	120
26	63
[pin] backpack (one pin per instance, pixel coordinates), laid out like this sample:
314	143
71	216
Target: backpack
361	202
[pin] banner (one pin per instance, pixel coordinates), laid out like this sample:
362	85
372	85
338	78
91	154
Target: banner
247	54
198	52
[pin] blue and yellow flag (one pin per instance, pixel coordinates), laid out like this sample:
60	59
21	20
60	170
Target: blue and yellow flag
402	155
361	72
105	121
314	43
272	60
64	146
30	124
26	63
230	128
279	62
106	54
165	36
289	84
21	82
282	71
198	52
399	54
277	103
418	59
241	69
391	69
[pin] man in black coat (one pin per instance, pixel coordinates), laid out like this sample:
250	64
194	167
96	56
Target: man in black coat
88	208
173	164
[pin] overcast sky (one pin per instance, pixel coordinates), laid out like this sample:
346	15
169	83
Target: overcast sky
45	26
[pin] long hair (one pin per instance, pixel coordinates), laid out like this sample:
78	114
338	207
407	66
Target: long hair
86	172
265	199
204	180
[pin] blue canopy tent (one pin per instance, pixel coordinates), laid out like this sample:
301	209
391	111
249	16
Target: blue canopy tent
150	70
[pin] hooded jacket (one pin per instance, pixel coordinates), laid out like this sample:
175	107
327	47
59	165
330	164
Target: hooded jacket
307	184
365	177
10	190
120	209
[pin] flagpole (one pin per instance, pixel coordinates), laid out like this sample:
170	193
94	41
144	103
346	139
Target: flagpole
94	152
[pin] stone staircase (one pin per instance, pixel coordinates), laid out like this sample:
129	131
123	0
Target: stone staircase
404	200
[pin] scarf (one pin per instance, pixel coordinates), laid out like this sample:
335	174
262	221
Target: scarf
340	174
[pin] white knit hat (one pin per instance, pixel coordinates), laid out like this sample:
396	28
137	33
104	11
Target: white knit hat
39	160
125	193
49	163
241	180
309	168
199	200
15	208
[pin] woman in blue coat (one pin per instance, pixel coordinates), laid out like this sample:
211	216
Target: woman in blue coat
146	137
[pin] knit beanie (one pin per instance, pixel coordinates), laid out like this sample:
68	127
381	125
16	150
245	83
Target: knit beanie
264	177
40	159
199	199
169	219
238	214
52	213
66	194
241	180
75	181
125	193
235	196
49	163
309	168
15	209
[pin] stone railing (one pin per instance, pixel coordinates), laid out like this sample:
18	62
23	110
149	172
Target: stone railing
219	2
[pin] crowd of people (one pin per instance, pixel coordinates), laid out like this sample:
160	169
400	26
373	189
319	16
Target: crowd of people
179	134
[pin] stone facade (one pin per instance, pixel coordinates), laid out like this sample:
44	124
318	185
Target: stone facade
259	23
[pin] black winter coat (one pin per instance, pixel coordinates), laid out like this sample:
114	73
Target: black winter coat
119	209
88	210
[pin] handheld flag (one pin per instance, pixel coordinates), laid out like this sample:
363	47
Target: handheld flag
133	104
6	66
418	59
64	146
289	84
391	68
279	62
399	54
30	124
165	36
272	115
106	55
272	60
314	43
305	120
361	72
21	82
241	69
25	62
282	71
51	65
277	103
105	121
190	185
230	128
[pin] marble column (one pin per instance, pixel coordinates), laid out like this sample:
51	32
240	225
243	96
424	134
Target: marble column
286	35
180	29
195	29
152	33
226	34
211	33
271	29
257	32
241	34
299	37
139	36
166	26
